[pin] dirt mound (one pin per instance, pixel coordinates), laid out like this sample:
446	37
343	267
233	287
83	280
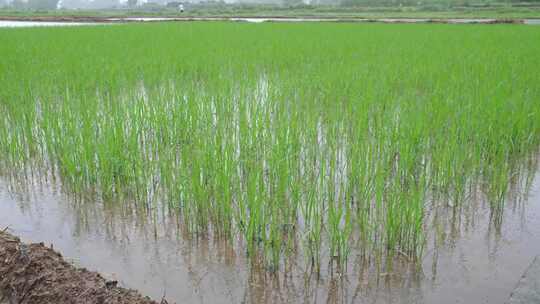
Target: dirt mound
34	273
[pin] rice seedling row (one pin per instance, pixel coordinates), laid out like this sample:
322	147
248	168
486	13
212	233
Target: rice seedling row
322	138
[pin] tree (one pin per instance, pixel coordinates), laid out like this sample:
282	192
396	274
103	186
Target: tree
18	4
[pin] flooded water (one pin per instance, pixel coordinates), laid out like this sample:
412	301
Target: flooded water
7	23
314	19
532	21
478	263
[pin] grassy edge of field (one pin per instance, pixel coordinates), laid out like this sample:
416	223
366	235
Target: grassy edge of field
465	12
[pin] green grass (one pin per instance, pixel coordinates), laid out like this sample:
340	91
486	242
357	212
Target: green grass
336	137
437	10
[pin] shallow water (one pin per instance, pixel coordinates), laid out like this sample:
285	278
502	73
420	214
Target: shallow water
532	21
273	19
477	264
6	23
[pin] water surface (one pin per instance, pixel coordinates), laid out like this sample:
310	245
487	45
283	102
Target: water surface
477	263
9	23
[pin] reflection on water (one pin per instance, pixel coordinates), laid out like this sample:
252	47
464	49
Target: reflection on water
8	23
467	259
532	21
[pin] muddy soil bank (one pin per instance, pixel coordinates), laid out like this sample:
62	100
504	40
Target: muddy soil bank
34	273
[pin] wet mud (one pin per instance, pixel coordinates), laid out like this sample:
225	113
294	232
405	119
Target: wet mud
35	273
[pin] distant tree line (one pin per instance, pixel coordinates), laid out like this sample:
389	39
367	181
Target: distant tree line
35	4
429	2
53	4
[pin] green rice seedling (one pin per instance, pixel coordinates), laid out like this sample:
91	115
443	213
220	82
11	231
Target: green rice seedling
343	137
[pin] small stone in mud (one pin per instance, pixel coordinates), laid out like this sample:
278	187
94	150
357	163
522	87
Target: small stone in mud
111	284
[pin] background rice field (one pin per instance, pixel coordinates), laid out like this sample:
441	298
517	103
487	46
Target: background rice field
318	140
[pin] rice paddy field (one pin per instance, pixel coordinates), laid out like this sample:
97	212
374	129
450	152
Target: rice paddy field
306	152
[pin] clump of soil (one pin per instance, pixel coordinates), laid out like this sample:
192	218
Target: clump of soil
34	273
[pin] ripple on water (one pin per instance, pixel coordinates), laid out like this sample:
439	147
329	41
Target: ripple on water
478	264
